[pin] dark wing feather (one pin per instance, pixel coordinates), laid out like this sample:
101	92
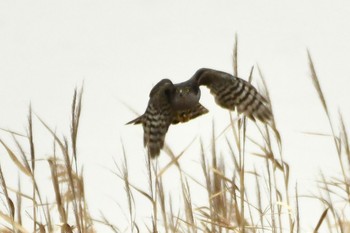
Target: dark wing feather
155	126
231	92
157	117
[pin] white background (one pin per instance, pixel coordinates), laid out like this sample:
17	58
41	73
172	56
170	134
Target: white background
120	49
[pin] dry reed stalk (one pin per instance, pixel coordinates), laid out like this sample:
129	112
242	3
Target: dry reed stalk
340	141
235	56
9	202
32	157
130	198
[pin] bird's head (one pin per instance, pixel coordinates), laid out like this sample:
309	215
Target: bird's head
185	96
184	91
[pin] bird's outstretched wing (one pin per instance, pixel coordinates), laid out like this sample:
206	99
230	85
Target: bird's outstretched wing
231	92
157	117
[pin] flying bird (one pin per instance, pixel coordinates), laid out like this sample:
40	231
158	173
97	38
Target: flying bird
174	103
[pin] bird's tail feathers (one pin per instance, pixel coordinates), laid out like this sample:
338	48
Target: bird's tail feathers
136	121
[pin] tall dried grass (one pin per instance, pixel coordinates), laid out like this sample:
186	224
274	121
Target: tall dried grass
270	205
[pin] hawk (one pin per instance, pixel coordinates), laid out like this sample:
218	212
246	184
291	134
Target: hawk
174	103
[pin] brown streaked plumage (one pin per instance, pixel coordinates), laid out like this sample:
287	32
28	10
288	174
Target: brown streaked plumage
174	103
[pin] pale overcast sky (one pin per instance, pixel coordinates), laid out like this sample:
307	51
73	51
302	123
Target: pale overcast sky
120	49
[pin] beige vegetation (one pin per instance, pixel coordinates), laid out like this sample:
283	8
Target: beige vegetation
233	206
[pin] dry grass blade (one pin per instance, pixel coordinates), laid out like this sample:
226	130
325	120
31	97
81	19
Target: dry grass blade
216	186
208	181
13	132
27	197
174	225
237	168
32	157
14	158
59	202
153	188
345	143
316	83
259	198
340	142
125	177
16	225
326	199
31	140
344	138
266	93
297	208
266	152
73	189
107	223
19	203
251	75
60	143
319	223
25	161
286	170
174	158
235	55
161	195
49	220
172	162
188	206
317	86
64	148
136	113
9	202
76	111
149	197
